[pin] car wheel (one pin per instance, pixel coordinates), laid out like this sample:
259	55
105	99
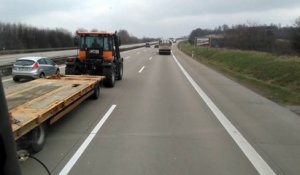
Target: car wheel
42	75
16	79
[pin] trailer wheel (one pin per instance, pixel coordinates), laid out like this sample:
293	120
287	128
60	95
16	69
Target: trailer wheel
37	138
109	78
96	93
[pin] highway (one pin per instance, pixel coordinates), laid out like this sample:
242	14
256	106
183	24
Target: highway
172	115
11	58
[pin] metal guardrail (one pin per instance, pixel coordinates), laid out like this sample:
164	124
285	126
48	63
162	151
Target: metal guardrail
7	69
7	52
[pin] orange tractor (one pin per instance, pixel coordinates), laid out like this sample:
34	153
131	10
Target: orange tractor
98	54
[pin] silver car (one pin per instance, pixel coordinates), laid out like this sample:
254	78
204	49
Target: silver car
34	67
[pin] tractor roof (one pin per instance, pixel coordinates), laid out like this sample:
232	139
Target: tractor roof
94	33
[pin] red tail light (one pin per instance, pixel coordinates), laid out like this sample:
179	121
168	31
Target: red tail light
35	66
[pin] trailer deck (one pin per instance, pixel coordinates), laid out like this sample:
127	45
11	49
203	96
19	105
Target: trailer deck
36	101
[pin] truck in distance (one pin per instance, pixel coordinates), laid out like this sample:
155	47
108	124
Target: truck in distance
164	47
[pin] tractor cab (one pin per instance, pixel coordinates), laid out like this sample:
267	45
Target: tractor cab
96	46
98	54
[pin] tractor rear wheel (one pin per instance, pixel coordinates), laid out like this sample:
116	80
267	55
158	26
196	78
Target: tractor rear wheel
120	72
109	77
72	70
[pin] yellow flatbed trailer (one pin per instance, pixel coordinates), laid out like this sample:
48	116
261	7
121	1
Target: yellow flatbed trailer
37	103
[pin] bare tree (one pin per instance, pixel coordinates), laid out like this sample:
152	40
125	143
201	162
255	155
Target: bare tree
297	22
21	36
296	36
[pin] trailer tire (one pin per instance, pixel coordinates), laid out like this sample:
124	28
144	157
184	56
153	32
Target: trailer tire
37	138
109	78
96	93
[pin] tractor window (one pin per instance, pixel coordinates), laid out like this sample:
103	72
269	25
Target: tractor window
91	42
108	44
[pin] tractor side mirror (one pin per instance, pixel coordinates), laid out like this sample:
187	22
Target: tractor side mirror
119	41
76	41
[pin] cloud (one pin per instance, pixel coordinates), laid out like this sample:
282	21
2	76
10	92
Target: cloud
153	18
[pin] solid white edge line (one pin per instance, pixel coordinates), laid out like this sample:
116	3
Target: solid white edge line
150	58
67	168
257	161
140	71
127	57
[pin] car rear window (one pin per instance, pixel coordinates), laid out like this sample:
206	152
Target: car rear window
24	62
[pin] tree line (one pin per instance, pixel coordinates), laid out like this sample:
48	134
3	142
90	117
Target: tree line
124	36
268	38
21	36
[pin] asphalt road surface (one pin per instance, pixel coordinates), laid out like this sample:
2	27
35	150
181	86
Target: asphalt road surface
172	115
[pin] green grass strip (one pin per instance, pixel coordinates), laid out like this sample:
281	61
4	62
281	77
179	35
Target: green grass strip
275	77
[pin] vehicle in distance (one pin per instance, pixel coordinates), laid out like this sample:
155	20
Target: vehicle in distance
98	54
156	46
164	47
147	45
34	67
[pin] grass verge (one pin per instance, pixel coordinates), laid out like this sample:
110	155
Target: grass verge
276	78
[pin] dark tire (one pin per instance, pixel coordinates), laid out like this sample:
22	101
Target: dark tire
120	72
109	78
16	79
57	72
42	75
96	93
72	70
37	138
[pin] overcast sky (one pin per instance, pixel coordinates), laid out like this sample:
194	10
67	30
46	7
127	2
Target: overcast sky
150	18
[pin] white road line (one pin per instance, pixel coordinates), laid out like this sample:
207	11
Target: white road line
86	142
127	57
257	161
140	71
150	58
6	80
